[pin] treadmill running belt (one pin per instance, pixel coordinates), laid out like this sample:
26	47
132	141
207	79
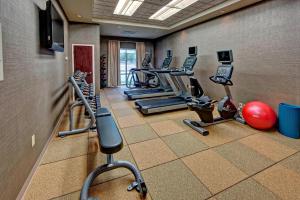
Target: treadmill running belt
150	91
146	91
155	103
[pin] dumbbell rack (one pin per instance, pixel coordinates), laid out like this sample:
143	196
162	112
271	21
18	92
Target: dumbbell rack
103	71
84	93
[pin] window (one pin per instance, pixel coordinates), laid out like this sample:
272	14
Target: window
127	62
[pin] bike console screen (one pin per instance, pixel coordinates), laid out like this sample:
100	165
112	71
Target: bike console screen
224	71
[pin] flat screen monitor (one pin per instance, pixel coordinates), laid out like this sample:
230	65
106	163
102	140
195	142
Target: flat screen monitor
225	56
51	29
57	31
192	51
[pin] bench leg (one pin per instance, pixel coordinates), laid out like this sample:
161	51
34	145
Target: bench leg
76	131
138	184
73	131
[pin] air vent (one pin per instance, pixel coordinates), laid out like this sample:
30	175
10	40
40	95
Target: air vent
129	32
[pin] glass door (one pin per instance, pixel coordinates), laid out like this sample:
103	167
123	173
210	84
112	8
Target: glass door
127	62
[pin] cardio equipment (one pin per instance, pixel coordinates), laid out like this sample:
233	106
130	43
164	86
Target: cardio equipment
174	76
204	106
163	90
133	80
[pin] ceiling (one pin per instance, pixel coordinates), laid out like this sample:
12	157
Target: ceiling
103	9
139	25
131	31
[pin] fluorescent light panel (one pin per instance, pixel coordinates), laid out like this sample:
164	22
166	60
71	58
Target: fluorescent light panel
167	13
127	7
171	8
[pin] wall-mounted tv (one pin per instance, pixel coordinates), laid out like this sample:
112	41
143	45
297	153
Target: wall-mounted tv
51	29
225	56
193	51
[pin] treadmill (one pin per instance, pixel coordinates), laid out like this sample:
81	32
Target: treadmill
164	90
150	106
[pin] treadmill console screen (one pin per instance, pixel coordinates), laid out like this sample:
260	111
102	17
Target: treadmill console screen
166	63
192	51
225	56
189	63
147	60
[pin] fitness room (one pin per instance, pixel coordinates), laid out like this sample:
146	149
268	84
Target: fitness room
150	99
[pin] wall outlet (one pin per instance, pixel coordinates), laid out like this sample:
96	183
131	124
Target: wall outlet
33	140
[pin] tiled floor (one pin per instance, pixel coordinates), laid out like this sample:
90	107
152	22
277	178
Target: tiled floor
233	162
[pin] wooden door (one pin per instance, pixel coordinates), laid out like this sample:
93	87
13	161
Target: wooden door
83	60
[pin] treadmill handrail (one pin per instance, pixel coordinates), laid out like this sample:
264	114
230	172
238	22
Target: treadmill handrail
182	73
165	70
139	69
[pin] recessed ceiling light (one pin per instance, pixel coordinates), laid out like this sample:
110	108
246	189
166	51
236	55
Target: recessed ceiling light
127	7
181	4
171	8
169	12
79	16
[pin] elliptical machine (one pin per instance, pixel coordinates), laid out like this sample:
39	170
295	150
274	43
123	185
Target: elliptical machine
150	79
204	106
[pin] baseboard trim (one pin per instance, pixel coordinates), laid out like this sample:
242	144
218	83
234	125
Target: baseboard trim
37	163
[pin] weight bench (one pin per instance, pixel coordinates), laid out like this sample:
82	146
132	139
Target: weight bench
110	142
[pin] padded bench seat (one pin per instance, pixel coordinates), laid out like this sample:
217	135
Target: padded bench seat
110	139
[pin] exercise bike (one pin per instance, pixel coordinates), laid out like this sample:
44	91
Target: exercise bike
204	105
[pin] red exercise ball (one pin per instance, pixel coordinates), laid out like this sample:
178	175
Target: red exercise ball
259	115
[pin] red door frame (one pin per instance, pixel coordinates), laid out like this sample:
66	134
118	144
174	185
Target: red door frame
93	58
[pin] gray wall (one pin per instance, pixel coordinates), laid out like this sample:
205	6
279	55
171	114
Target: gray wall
265	41
87	34
32	94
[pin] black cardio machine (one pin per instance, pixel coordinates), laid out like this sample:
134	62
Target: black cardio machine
164	88
204	106
156	105
150	80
